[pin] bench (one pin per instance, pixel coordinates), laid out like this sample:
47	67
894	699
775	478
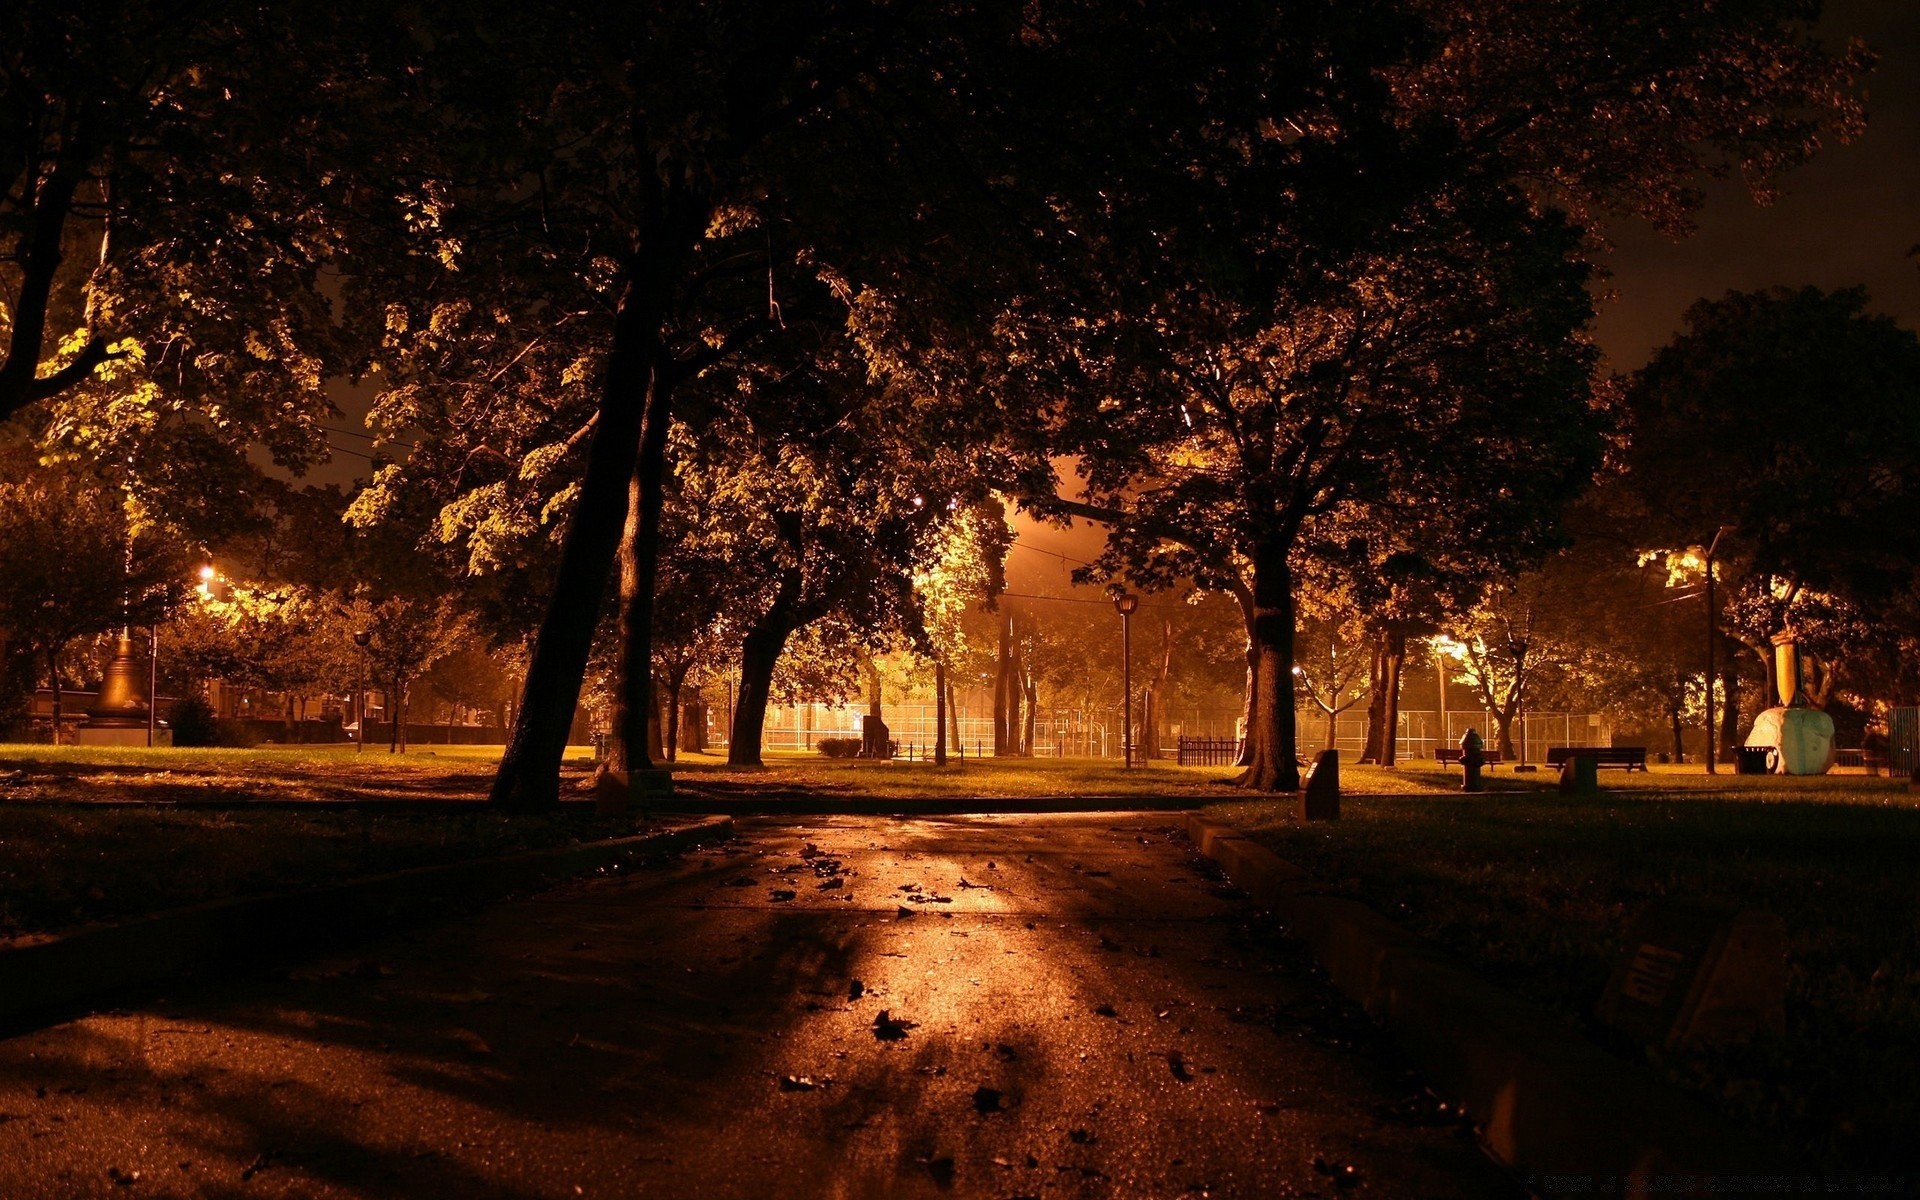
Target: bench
1449	755
1868	760
1629	757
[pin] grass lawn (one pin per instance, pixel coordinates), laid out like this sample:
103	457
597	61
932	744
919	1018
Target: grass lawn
97	773
1535	891
65	864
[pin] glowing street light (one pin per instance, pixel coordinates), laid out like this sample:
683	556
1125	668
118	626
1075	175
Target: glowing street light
360	638
1124	603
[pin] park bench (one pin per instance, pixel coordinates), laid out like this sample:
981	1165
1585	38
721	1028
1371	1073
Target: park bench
1869	760
1629	757
1449	755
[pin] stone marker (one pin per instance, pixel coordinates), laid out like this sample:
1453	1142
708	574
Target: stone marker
1320	801
616	793
1580	775
1694	973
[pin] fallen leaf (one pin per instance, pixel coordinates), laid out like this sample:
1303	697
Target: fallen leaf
782	894
1178	1066
941	1169
797	1083
856	989
1106	1010
986	1100
887	1029
831	884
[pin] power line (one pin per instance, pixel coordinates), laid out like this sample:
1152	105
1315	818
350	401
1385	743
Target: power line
1079	600
1053	553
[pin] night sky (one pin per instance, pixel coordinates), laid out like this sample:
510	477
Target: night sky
1847	218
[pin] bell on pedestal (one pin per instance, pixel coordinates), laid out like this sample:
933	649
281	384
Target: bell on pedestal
123	691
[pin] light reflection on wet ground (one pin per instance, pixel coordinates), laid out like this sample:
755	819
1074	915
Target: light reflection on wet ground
850	1007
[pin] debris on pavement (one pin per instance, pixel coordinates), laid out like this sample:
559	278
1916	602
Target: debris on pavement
889	1030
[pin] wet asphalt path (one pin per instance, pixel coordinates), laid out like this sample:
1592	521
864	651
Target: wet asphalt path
1038	1006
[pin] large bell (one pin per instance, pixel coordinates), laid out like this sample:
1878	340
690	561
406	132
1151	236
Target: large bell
123	690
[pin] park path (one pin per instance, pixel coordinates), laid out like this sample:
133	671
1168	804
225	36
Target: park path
846	1007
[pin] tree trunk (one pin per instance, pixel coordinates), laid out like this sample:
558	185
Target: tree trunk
1151	719
953	722
1378	741
692	735
872	745
1679	730
453	711
939	712
1503	726
1729	712
1028	691
1275	766
1004	735
1245	599
1393	662
53	677
1333	728
529	776
759	652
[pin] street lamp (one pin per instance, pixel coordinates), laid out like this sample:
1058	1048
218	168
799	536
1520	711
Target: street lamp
360	638
1713	735
1124	603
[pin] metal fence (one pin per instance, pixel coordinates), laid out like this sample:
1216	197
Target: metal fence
1421	732
1096	733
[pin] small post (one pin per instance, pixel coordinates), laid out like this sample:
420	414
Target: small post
1320	801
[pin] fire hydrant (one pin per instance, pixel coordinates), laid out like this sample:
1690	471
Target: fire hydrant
1472	759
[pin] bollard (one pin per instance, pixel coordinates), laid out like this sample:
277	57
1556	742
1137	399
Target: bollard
1472	758
1580	775
1320	800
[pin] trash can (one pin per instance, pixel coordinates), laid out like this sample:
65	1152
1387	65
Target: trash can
1752	760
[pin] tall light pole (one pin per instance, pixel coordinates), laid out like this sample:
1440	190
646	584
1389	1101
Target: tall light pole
361	638
1713	733
1124	604
153	680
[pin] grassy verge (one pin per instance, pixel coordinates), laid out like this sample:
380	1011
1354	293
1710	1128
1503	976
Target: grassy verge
1535	891
86	859
335	773
62	866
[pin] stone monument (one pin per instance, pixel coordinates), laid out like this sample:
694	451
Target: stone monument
1799	735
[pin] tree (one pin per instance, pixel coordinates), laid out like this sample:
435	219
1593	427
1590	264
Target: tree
76	564
1339	282
1783	424
170	197
409	636
1332	671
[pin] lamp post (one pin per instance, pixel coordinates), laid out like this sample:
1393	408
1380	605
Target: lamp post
361	638
1713	738
153	680
1124	604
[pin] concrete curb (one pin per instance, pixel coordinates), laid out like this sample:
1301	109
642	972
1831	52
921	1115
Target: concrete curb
1569	1117
54	977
